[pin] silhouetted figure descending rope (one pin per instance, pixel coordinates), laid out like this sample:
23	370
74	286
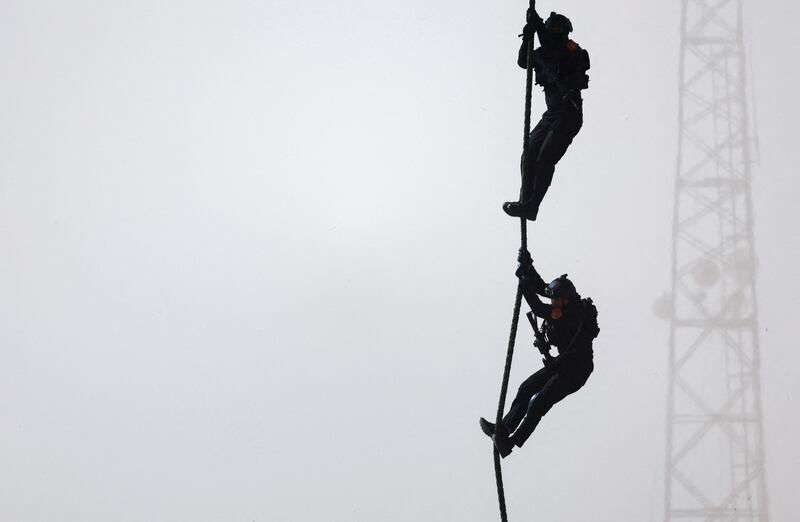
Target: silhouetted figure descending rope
560	65
570	324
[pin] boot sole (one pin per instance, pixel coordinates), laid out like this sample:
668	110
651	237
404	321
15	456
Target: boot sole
529	217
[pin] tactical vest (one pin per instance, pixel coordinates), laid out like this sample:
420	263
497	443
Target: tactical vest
575	330
563	67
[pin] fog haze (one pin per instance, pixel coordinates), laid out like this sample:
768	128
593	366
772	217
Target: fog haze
255	266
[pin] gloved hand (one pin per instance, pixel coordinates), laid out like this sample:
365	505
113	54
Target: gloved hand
532	21
529	30
525	266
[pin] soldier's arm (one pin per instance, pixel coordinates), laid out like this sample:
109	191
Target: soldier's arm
532	284
538	308
534	25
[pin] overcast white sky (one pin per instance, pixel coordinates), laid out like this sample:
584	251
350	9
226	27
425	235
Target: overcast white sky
254	266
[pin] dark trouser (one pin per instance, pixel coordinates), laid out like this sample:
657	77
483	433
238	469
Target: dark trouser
539	392
547	143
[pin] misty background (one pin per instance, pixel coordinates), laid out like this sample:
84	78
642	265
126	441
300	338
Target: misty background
254	265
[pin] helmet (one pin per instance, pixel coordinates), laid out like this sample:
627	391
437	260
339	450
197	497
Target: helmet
558	21
561	287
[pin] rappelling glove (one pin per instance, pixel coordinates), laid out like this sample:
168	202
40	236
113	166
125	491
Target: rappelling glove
524	264
528	31
528	273
524	258
533	22
530	13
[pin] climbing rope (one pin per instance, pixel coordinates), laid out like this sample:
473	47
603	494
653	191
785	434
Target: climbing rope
498	469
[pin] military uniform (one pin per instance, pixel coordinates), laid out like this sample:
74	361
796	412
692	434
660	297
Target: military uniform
571	330
572	335
560	67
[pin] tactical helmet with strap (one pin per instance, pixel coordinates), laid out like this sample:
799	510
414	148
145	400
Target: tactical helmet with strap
561	287
560	21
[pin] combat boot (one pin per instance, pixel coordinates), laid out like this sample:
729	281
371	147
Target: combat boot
502	442
521	210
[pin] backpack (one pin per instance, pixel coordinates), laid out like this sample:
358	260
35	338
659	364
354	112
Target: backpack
589	311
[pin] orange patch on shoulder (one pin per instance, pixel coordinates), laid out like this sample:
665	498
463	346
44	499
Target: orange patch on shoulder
572	46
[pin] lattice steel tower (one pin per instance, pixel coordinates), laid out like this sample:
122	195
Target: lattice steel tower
715	455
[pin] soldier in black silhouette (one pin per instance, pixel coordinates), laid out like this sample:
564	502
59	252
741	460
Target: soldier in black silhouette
560	67
569	324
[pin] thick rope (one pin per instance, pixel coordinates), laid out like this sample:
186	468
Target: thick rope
498	469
